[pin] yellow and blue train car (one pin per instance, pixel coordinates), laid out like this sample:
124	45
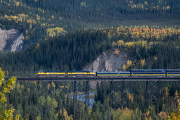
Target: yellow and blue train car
132	72
51	73
172	72
113	74
148	72
81	73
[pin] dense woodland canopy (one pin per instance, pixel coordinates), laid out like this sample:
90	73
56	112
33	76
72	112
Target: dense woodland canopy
56	32
75	50
39	19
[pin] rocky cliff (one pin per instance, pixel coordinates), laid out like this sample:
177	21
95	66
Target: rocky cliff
112	60
11	40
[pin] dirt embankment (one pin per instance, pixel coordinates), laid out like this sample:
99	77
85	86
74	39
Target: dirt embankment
112	60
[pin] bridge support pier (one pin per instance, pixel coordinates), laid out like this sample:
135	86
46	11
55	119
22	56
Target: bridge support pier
87	94
84	97
123	95
153	91
74	101
121	87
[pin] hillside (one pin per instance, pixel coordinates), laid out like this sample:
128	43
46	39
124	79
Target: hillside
74	51
100	35
40	19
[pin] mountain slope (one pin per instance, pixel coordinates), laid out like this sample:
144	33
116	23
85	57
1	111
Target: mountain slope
40	19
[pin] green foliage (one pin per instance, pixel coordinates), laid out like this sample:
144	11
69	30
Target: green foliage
69	52
35	17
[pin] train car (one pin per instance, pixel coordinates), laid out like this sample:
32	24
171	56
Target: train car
81	73
172	72
51	73
113	74
148	72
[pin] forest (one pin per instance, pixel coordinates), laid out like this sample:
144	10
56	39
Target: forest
41	19
150	48
68	35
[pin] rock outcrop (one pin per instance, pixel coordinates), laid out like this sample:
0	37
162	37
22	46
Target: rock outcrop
11	40
108	61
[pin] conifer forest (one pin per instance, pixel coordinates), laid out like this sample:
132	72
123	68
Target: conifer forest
69	35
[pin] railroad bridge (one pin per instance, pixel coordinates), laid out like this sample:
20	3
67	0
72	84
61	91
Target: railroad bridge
153	86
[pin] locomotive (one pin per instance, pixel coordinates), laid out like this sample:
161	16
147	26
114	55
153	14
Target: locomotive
131	73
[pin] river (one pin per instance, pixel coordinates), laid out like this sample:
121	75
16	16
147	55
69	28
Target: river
80	97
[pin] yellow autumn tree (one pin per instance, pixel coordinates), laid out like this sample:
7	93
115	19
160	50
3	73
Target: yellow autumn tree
37	46
176	115
38	17
114	44
129	63
120	43
5	87
65	115
52	17
143	62
124	67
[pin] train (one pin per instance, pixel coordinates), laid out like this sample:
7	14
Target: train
131	73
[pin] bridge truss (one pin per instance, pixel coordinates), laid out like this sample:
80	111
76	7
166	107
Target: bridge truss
153	87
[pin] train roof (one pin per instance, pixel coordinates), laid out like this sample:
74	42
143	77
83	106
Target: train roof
79	71
146	70
113	72
171	70
51	71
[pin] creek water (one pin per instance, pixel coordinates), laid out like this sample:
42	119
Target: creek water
80	97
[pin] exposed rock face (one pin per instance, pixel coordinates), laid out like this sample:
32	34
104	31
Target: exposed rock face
107	62
11	39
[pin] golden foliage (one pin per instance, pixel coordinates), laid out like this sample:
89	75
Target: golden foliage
55	31
124	67
142	63
17	117
176	93
129	44
116	52
120	42
52	17
37	46
53	84
17	3
114	44
155	58
39	118
129	63
65	114
49	86
43	24
130	96
166	92
5	114
29	21
37	17
145	31
175	115
126	115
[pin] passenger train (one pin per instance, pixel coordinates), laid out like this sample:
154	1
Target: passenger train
131	73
